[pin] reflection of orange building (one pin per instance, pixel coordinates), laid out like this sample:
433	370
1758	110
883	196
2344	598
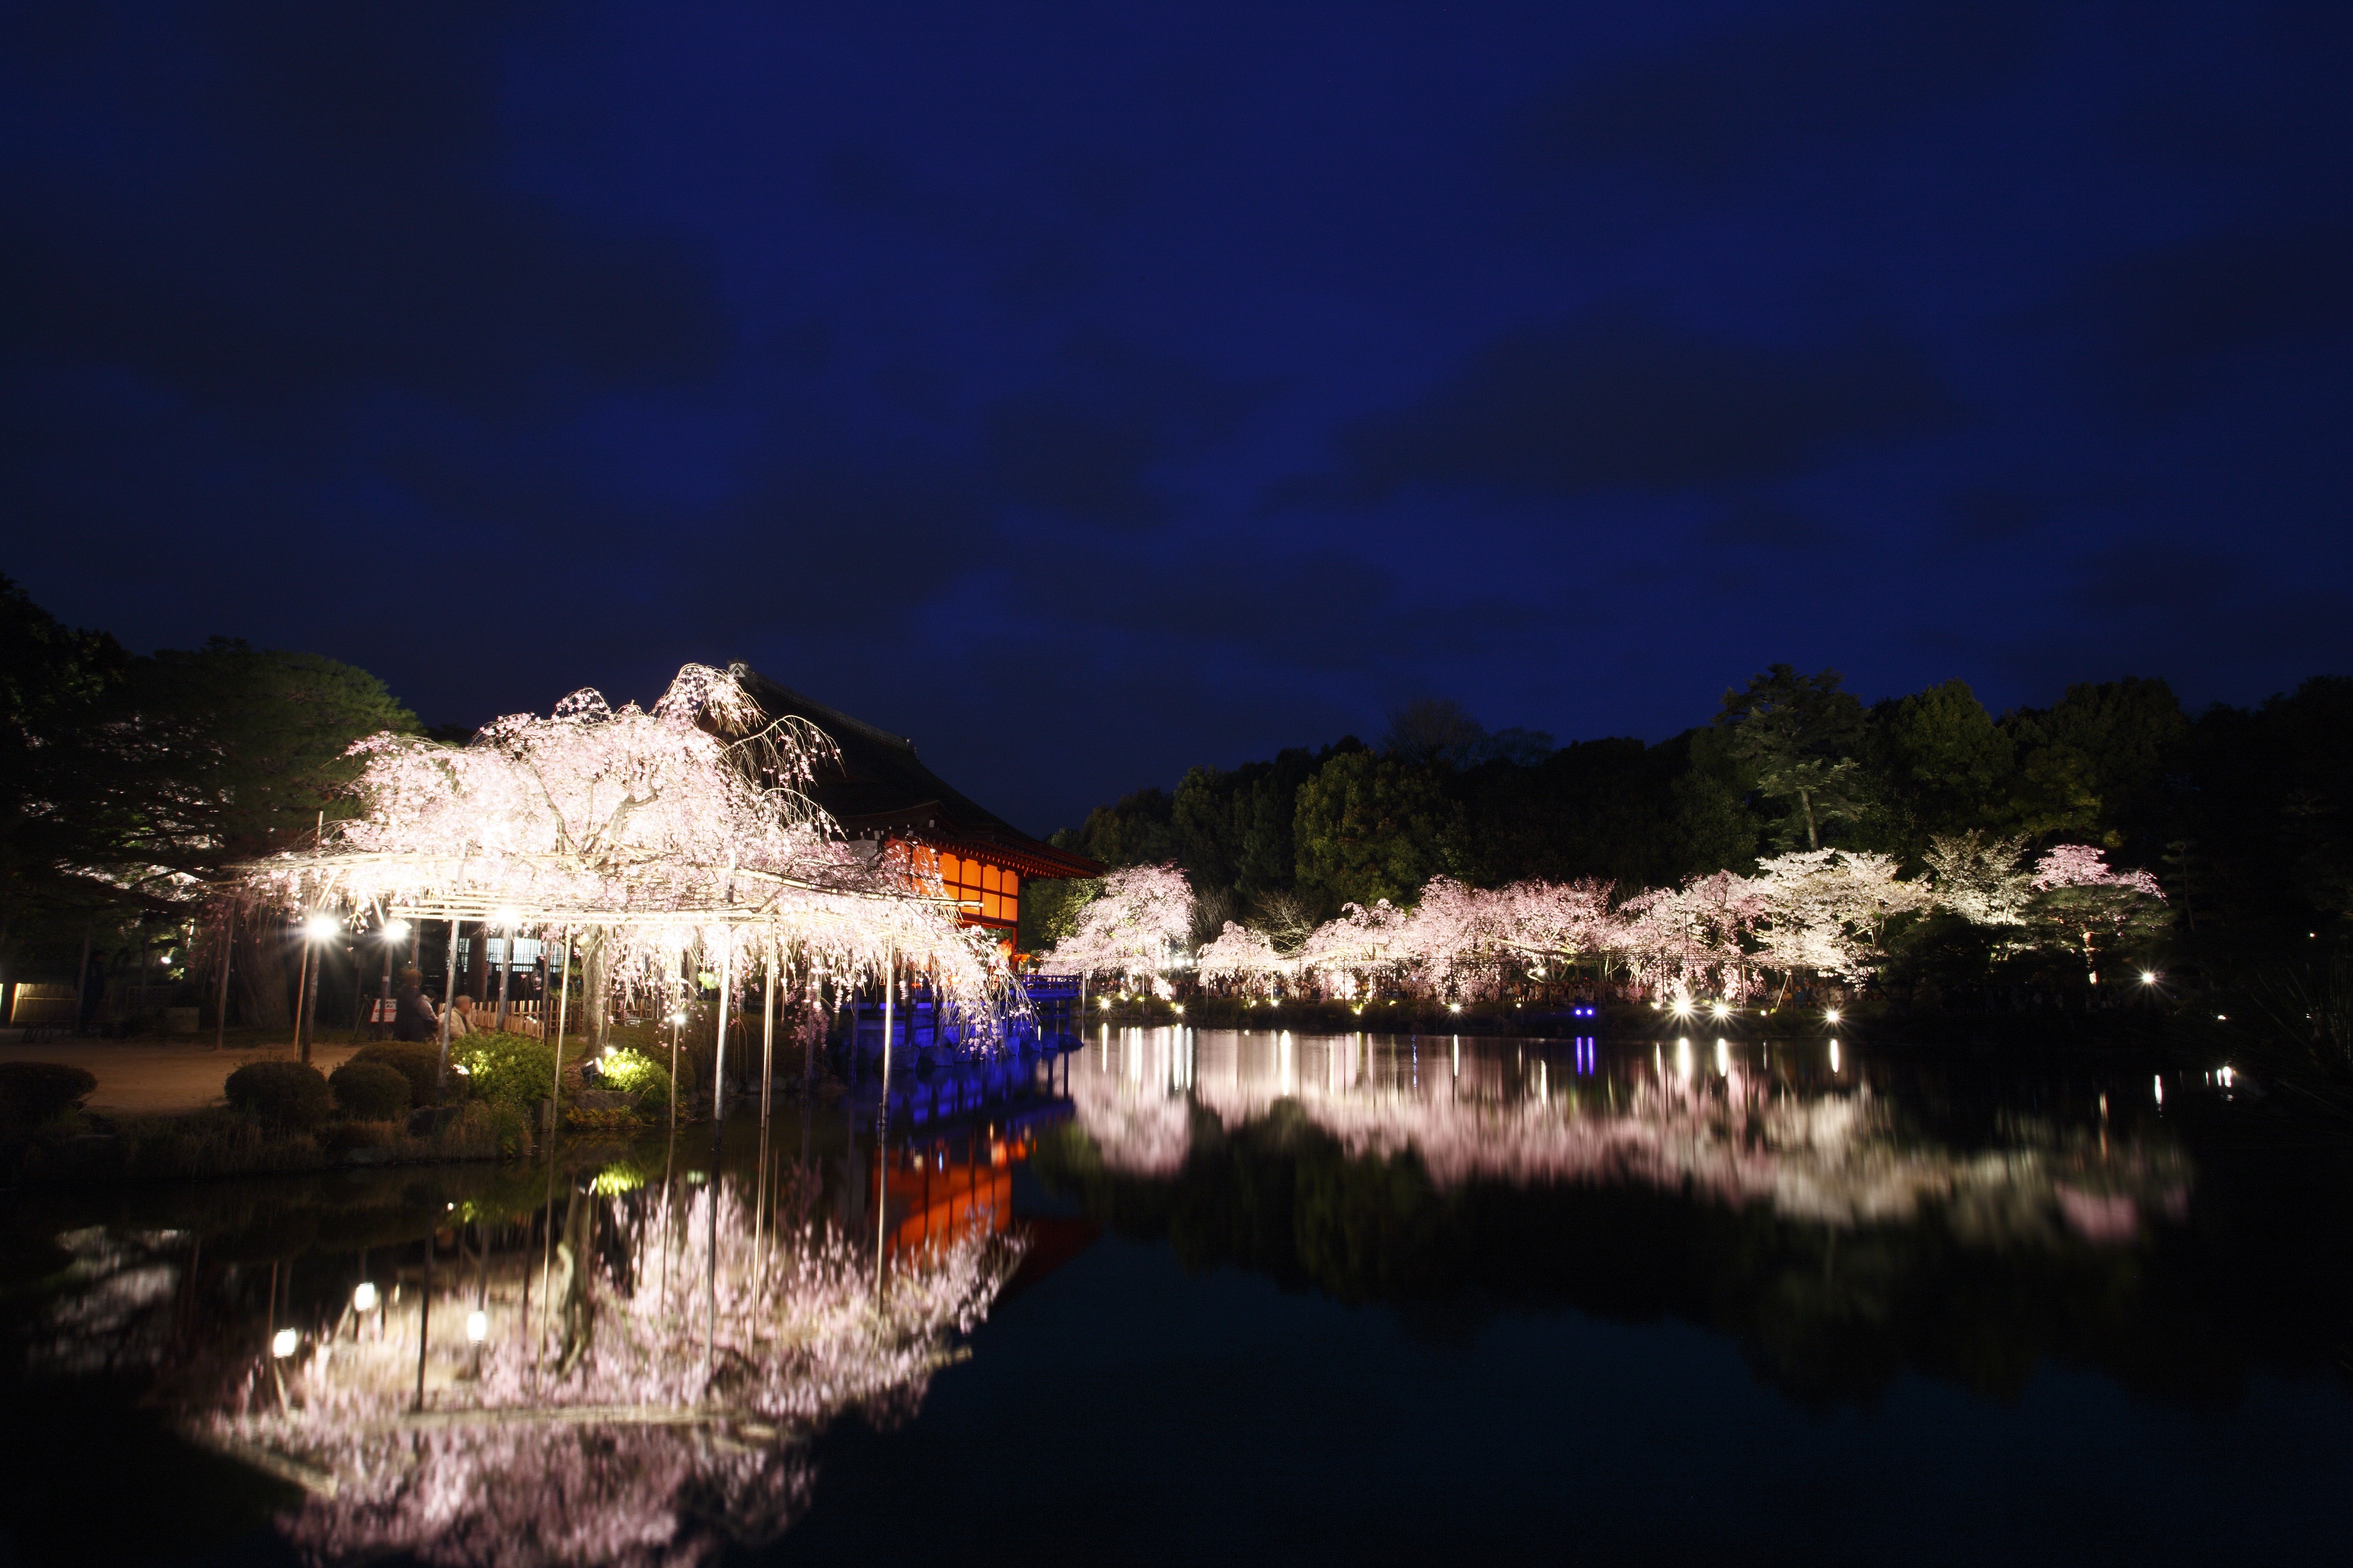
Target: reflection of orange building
952	1188
881	790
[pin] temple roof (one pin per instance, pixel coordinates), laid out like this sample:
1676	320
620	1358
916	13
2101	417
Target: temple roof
881	788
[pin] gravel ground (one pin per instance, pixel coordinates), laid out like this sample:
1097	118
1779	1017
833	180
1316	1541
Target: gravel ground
160	1078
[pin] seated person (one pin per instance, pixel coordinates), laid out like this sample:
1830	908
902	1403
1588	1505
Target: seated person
461	1016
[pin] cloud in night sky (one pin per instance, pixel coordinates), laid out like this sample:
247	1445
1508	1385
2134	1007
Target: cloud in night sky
1627	401
1091	394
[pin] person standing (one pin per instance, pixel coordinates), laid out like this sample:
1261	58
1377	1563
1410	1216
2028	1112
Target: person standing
413	1017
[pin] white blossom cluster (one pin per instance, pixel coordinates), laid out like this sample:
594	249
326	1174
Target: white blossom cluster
1822	912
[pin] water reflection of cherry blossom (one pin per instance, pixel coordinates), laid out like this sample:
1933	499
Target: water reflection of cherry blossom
1713	1126
643	1408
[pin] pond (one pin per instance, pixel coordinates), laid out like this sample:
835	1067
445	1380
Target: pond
1184	1295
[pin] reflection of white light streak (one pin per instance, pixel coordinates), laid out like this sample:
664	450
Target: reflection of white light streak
1834	1061
1723	1059
1682	1061
2160	1089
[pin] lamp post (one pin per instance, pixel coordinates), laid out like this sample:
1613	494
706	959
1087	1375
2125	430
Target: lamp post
316	930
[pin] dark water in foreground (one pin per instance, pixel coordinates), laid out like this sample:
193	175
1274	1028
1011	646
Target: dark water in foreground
1284	1299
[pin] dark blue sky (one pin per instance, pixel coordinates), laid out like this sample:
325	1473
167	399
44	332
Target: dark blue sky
1090	391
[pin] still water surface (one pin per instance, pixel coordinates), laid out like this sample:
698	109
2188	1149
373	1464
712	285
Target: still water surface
1184	1296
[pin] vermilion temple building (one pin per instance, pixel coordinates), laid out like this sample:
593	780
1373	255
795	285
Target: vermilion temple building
881	790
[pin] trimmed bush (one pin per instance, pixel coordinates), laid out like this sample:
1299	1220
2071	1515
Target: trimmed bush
370	1091
284	1094
415	1060
34	1092
512	1070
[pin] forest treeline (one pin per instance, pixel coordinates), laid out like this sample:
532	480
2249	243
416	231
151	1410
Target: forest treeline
2241	813
128	784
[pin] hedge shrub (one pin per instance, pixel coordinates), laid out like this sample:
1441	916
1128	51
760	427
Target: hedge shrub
285	1094
370	1091
645	1080
415	1060
34	1092
512	1070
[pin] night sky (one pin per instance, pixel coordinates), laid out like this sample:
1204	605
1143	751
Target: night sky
1091	391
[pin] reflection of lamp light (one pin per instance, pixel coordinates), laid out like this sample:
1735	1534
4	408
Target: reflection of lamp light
364	1297
478	1325
1834	1062
283	1345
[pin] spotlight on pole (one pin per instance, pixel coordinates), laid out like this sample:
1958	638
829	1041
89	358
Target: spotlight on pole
478	1325
1832	1014
283	1345
318	928
395	931
364	1297
2147	977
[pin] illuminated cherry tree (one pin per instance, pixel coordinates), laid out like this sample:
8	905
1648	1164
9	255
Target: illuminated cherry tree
1455	943
1977	876
1363	950
1689	941
1135	930
670	839
2082	903
1544	922
1824	911
1243	960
